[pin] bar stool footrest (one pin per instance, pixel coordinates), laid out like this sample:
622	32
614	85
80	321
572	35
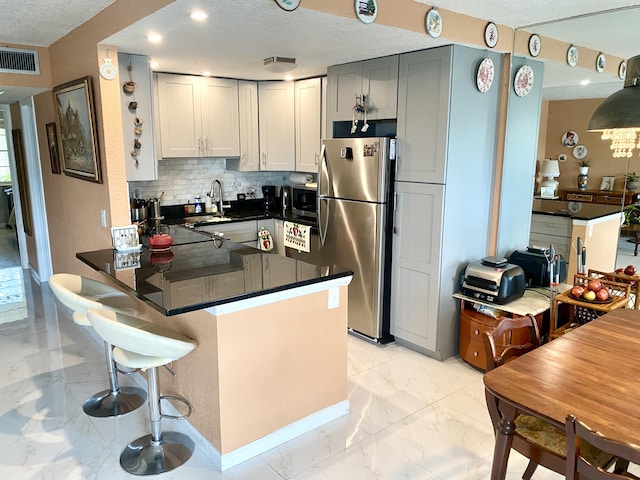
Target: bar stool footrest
177	399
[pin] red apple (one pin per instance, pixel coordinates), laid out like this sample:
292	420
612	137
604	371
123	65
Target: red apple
589	295
577	291
594	285
602	294
630	270
619	270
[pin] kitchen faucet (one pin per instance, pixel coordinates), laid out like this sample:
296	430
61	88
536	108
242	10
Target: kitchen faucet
212	195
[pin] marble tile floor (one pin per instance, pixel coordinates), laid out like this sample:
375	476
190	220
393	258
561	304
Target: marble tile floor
411	417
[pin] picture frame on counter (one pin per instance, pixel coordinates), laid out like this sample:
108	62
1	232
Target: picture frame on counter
77	126
52	140
607	183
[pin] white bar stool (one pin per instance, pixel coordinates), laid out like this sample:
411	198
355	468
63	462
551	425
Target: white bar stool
145	345
80	294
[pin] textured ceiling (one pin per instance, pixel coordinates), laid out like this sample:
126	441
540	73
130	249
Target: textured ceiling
239	34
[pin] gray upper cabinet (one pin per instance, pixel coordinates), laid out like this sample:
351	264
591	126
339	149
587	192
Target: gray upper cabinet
376	79
249	141
424	80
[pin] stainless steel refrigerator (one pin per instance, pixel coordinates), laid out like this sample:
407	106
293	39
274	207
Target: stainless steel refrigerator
355	185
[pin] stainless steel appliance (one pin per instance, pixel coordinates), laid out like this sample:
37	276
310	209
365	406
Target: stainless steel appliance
355	185
493	280
304	202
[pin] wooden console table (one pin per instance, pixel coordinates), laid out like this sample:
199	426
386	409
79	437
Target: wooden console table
608	197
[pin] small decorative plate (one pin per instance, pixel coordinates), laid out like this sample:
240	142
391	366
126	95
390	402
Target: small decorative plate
535	45
579	152
600	63
288	5
366	10
523	82
570	138
572	56
574	207
433	23
484	77
562	157
491	35
107	70
622	70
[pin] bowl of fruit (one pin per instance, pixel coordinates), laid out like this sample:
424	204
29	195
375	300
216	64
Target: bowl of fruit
592	291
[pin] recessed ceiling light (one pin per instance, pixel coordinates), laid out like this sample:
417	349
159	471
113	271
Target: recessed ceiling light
585	82
153	64
288	78
154	38
206	74
199	15
1	92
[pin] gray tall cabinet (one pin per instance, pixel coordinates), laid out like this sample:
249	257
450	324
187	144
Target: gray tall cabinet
445	167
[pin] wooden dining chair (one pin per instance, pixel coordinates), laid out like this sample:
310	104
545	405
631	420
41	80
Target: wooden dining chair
579	466
538	440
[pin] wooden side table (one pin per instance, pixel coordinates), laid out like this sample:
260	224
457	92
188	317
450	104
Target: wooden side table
473	323
619	291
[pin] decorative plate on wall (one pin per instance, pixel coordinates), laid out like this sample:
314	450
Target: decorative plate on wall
523	82
491	35
600	63
535	45
570	138
366	10
562	157
288	5
572	56
622	70
433	23
579	152
484	77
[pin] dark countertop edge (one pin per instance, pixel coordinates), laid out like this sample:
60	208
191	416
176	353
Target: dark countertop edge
247	296
202	306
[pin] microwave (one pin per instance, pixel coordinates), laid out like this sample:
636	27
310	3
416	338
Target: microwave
304	201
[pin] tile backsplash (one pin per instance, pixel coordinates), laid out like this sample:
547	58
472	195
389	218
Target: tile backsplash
182	179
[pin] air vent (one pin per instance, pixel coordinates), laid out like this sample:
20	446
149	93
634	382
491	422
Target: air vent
17	60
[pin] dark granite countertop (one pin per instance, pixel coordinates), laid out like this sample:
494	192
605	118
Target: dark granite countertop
196	274
574	210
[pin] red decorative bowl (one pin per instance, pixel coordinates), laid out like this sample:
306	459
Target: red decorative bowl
161	240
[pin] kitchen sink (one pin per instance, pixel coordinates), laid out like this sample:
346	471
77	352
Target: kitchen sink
205	219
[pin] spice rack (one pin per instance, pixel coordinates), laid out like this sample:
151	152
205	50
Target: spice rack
125	238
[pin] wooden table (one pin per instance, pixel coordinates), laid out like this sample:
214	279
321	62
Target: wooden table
592	372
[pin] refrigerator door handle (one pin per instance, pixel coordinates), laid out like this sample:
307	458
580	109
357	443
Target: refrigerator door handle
323	218
323	173
395	212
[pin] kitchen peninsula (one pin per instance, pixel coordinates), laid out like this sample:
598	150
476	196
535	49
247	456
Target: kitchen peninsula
561	223
271	361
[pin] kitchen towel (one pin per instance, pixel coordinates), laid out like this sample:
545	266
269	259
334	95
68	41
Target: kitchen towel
297	236
300	178
265	241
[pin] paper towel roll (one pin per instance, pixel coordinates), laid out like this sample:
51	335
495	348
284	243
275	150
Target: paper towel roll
300	178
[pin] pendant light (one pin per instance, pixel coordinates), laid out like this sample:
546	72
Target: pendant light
618	117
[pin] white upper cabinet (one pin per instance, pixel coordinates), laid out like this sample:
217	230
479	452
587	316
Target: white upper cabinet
198	116
277	126
249	141
376	80
308	117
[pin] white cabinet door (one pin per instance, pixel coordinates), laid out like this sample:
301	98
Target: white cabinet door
423	115
380	85
308	118
249	141
180	116
220	127
376	79
416	263
276	121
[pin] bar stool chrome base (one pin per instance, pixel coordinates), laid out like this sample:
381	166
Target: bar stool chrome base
146	457
111	404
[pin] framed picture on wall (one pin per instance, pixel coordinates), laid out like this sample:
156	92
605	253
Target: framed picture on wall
77	127
52	139
607	183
